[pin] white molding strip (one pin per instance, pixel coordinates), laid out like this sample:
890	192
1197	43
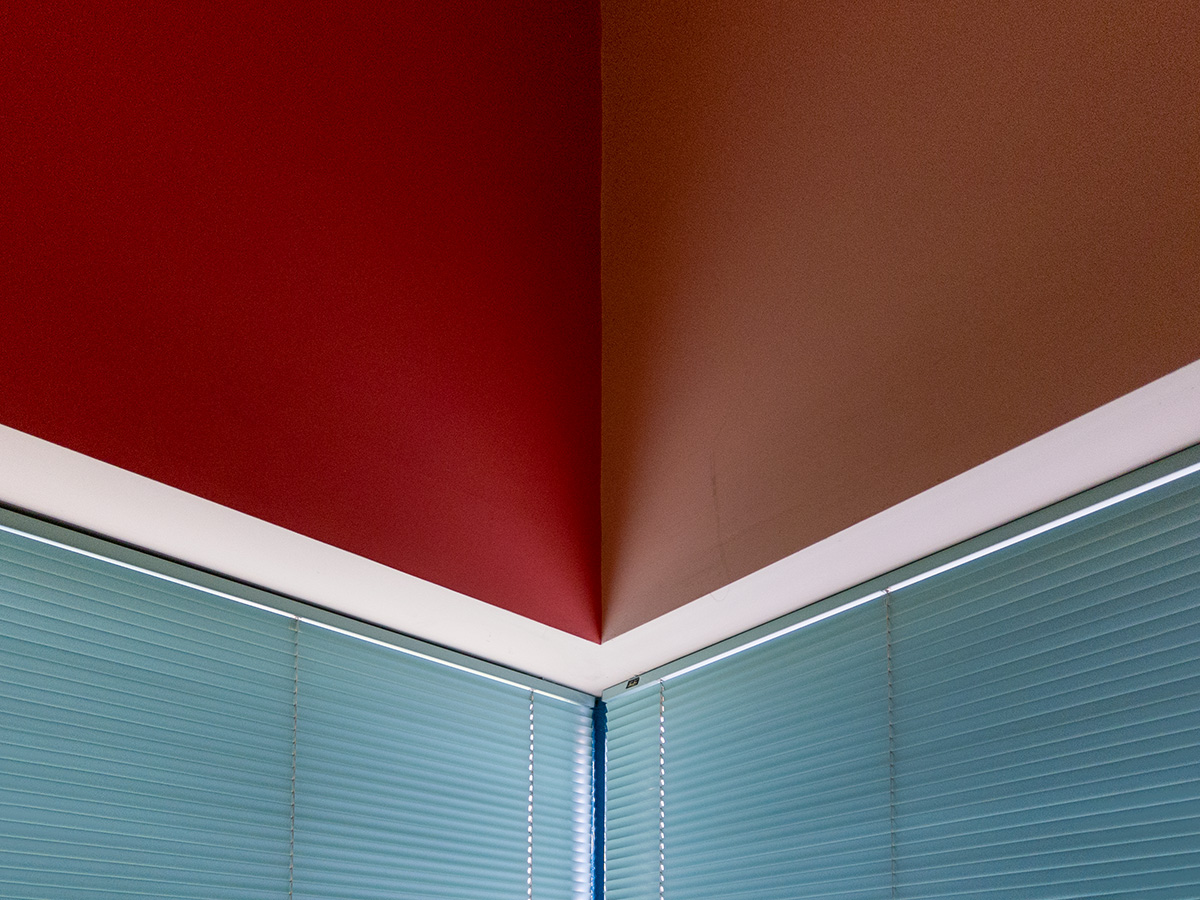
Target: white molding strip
1145	425
1136	429
52	481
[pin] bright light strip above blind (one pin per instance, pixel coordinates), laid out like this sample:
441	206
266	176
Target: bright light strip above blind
1088	510
536	685
143	571
1049	526
821	617
408	651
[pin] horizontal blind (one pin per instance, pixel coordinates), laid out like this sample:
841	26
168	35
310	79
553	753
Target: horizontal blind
1047	713
562	800
412	778
159	739
145	734
776	765
632	867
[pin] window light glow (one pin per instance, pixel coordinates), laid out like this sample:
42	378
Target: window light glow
142	571
224	595
733	651
946	567
1049	526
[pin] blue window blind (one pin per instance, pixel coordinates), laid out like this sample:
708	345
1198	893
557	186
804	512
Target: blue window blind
412	778
774	769
160	739
145	735
1047	712
786	794
562	800
1020	721
633	798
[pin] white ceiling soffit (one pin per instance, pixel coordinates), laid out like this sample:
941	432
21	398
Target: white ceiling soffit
1136	429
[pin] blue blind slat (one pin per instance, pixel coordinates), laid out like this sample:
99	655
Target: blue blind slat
1044	734
147	739
776	767
1047	735
127	773
389	805
632	798
562	800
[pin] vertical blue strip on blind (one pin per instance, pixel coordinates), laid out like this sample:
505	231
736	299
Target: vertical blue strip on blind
599	757
776	766
562	800
412	778
1047	713
145	735
631	803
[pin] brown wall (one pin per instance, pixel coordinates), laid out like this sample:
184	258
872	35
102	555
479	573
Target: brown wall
853	249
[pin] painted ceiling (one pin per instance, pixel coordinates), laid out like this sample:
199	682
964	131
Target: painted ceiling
354	269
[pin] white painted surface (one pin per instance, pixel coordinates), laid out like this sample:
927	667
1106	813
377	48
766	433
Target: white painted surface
1136	429
1147	424
52	481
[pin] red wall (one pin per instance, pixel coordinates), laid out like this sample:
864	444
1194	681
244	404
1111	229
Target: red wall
334	265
